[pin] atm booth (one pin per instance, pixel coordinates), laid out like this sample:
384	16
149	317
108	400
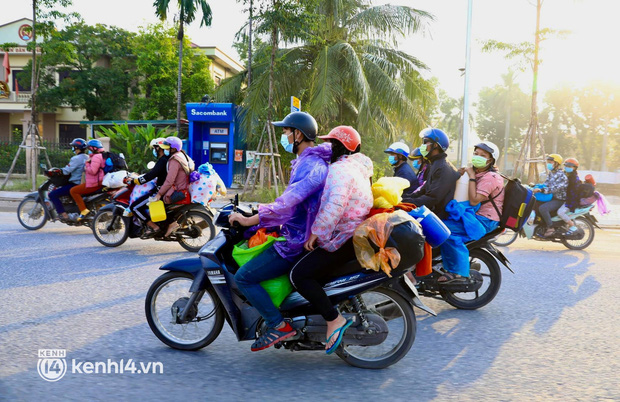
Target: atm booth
215	138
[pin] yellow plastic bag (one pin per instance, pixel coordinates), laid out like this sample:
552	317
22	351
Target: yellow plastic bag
377	229
387	191
157	211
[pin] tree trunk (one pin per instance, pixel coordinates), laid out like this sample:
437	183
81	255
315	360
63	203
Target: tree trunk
532	169
250	48
33	91
180	37
507	135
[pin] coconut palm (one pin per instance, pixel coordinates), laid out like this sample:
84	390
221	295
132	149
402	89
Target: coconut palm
345	67
187	14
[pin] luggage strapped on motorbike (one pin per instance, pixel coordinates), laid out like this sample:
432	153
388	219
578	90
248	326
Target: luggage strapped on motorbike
518	204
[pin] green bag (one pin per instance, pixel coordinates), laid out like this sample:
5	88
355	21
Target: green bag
277	288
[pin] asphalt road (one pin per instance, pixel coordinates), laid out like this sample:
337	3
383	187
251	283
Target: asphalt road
550	334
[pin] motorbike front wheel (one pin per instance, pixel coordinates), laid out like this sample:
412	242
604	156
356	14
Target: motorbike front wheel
107	233
166	299
31	214
491	281
587	239
400	318
196	231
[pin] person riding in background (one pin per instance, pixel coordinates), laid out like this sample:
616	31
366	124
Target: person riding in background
93	168
75	168
441	177
295	210
346	201
179	166
486	187
398	153
573	195
420	165
140	206
556	184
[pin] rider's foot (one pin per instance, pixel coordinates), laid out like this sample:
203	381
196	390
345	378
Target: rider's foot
171	228
571	231
549	232
273	336
331	327
83	214
449	277
73	217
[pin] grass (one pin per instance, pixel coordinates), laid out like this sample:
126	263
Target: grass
21	184
261	195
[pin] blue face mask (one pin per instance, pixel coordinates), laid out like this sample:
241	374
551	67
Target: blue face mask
392	159
90	152
568	169
416	164
288	147
550	166
155	153
167	152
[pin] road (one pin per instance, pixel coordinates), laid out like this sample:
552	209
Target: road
550	334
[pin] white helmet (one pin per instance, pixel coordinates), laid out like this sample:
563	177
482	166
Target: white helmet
490	148
398	148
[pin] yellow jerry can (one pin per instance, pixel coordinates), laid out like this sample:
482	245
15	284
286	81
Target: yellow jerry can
158	211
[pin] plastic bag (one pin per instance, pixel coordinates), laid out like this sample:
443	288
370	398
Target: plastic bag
260	237
141	189
387	191
377	230
277	289
114	179
425	265
242	253
602	204
208	186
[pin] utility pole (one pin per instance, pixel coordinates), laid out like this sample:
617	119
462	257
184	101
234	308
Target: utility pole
465	132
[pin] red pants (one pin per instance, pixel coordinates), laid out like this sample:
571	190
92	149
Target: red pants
78	191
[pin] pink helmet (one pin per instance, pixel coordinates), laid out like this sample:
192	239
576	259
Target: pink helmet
174	142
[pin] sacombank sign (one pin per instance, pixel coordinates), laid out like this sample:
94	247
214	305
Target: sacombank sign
211	112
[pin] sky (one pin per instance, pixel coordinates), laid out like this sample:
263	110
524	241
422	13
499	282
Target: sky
589	53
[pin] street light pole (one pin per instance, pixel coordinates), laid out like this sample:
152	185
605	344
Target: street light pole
465	125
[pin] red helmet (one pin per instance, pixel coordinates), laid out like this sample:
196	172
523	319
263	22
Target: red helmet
571	162
347	135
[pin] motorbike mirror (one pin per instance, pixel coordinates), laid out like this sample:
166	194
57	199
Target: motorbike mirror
150	165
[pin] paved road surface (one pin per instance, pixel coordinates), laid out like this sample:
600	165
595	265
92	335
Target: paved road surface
552	333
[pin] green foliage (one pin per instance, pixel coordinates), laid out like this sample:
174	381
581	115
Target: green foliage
343	66
98	68
133	143
156	62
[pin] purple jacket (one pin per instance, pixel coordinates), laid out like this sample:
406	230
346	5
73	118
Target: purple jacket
297	207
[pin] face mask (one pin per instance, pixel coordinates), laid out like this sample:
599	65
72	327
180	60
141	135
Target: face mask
288	147
155	153
568	169
392	159
423	150
167	152
416	164
479	161
550	166
90	152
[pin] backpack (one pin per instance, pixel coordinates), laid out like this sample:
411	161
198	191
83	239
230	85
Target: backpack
518	204
113	162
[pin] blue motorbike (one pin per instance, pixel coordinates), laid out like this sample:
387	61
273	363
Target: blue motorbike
186	307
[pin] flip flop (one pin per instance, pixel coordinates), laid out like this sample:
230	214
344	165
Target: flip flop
340	332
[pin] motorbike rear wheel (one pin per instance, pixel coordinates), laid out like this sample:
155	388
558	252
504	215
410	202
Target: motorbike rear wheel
31	214
492	280
588	228
109	237
167	297
197	224
402	330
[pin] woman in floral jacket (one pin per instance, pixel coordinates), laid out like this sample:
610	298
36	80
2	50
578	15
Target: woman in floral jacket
346	201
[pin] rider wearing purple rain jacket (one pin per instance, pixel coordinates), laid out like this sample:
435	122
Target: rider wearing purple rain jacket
295	210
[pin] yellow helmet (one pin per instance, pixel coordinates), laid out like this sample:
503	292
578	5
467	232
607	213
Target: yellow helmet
556	158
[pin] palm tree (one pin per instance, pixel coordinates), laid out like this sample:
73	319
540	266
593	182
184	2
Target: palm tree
344	66
187	14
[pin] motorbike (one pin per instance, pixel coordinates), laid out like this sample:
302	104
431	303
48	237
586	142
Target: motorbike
186	307
535	228
112	226
485	276
35	210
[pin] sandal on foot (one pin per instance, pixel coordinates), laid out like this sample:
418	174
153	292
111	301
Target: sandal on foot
451	278
339	332
171	228
273	336
149	232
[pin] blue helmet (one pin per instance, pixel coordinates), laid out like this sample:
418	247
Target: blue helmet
79	143
398	148
437	136
95	144
416	153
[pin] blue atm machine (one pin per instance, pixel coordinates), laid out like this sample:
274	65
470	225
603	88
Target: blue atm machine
213	138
